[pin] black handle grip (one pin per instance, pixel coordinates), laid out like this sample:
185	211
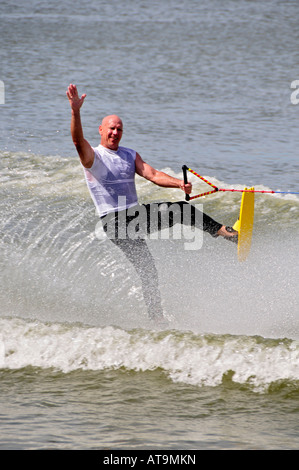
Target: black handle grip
185	168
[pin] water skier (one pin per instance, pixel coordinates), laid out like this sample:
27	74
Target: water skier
110	175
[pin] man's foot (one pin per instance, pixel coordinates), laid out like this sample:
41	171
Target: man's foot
228	233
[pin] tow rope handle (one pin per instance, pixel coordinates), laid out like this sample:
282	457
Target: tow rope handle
215	189
188	198
185	169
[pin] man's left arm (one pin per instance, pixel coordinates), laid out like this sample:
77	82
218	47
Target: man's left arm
159	177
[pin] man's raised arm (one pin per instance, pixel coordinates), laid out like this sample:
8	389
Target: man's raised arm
84	149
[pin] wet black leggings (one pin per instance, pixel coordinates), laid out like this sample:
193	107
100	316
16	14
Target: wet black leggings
146	219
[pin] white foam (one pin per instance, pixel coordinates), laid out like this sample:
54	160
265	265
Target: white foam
201	360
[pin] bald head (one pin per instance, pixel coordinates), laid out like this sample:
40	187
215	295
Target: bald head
111	130
112	118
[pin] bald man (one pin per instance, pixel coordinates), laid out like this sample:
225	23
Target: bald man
110	171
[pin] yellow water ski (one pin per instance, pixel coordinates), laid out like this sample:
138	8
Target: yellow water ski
244	224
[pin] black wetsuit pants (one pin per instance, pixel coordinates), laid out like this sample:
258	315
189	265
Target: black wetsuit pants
128	230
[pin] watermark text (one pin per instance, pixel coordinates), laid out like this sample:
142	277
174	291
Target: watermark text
295	93
2	92
156	221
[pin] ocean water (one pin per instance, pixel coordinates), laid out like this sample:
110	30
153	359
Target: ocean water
202	83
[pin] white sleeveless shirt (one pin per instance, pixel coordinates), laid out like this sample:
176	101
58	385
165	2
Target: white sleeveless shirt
111	179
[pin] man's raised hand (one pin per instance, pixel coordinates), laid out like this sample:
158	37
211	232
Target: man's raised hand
73	97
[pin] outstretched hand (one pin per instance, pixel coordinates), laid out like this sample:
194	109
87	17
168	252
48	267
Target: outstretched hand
74	99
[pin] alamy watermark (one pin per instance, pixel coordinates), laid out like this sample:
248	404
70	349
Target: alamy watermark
2	92
295	94
156	221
